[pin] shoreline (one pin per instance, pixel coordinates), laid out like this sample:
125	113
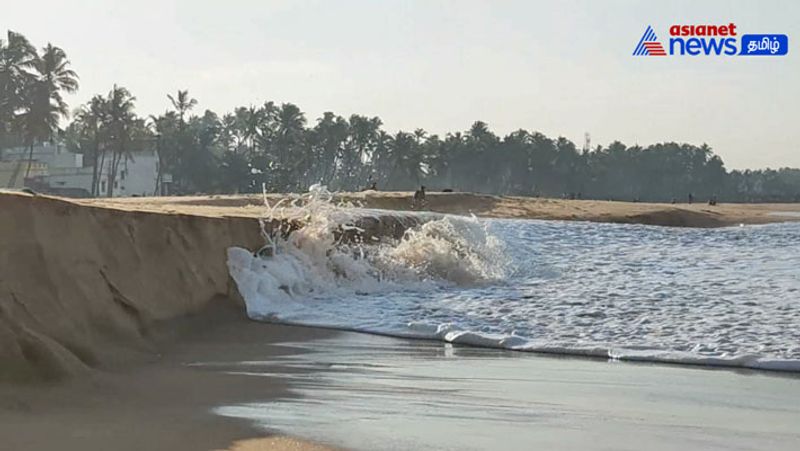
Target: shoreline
161	400
167	400
369	390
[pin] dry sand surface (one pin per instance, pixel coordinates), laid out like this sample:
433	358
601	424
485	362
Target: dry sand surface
681	215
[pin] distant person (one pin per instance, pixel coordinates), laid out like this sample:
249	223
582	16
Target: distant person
691	198
419	198
370	185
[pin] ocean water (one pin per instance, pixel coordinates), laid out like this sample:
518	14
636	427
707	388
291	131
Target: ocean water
720	297
367	392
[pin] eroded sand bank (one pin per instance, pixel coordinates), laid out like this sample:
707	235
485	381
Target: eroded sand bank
81	286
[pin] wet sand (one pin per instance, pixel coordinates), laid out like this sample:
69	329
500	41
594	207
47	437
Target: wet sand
270	383
376	393
159	401
221	382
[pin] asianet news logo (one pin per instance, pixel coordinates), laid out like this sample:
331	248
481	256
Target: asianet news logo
711	40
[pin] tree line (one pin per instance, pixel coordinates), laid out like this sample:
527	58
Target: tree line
275	146
32	84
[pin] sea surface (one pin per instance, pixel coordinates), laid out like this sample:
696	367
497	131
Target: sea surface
374	393
714	297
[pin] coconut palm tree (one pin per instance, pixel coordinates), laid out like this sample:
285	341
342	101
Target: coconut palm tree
327	140
17	61
293	157
45	103
360	149
290	123
54	71
89	120
183	140
249	126
182	104
120	120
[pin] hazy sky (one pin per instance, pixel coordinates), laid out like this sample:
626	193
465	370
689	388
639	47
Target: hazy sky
559	67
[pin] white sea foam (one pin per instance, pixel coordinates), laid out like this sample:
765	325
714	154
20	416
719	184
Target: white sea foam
725	297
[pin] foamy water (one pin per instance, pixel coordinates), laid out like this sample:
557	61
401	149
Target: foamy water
728	297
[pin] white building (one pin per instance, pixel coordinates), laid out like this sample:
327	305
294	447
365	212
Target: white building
70	178
53	155
46	160
136	175
59	171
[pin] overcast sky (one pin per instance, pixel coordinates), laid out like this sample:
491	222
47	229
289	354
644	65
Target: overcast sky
559	67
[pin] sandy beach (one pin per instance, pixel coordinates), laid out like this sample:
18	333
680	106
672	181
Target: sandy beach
482	205
157	400
370	392
207	389
399	226
107	303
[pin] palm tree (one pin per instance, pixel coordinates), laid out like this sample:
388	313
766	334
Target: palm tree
327	140
262	127
53	68
408	159
120	121
360	148
290	123
249	124
290	142
17	62
183	141
90	119
46	105
182	104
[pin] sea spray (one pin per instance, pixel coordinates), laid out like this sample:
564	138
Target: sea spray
309	262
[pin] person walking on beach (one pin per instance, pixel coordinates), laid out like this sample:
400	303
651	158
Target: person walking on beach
419	198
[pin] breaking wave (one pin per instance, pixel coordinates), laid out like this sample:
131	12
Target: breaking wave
596	290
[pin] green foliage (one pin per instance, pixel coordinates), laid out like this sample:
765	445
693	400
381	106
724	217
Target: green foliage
31	87
273	147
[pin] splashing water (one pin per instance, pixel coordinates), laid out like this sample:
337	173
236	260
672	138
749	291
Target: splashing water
723	297
307	259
